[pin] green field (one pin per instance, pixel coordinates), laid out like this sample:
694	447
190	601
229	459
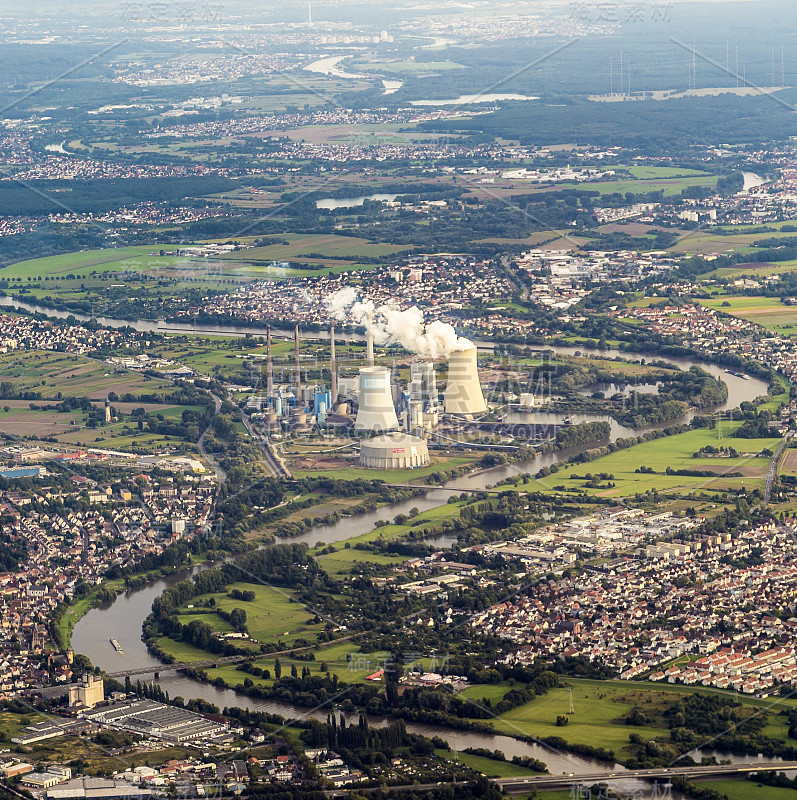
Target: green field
77	274
596	720
343	659
49	373
490	767
744	790
648	173
669	185
676	452
387	475
768	312
342	561
273	616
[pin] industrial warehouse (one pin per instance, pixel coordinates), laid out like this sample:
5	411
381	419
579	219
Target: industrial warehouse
158	721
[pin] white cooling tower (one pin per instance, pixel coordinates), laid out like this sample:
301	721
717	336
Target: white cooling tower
376	412
463	390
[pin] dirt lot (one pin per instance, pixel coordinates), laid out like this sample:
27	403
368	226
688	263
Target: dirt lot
320	463
789	462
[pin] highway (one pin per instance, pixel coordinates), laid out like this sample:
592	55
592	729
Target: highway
520	785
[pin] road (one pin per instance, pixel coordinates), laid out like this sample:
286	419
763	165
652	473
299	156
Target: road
524	785
221	475
520	785
772	472
273	464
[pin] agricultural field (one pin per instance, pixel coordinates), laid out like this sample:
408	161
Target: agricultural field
71	375
311	247
78	274
768	312
676	452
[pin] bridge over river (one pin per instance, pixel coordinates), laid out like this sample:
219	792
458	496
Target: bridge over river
661	774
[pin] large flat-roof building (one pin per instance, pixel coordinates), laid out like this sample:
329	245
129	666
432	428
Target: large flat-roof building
394	451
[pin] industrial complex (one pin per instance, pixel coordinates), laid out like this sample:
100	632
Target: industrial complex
390	416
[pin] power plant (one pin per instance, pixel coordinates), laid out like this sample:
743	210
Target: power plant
393	417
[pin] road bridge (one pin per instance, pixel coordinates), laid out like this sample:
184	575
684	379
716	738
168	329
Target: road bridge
660	774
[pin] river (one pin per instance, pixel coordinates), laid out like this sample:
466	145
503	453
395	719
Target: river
473	99
329	66
122	619
752	180
331	203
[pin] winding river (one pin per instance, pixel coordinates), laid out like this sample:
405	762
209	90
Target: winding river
122	619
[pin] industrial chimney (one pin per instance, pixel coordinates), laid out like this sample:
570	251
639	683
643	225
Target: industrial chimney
463	390
376	412
369	345
269	365
298	376
333	366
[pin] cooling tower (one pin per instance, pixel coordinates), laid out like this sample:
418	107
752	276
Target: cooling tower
376	412
463	391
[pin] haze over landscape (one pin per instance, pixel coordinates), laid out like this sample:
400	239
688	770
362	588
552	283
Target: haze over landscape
398	399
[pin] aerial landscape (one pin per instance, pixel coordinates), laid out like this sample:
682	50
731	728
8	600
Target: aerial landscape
398	399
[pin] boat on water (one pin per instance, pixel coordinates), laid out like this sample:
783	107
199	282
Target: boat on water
117	646
738	374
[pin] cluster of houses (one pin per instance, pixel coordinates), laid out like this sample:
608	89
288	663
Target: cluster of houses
640	616
705	329
66	544
442	283
27	333
190	777
742	670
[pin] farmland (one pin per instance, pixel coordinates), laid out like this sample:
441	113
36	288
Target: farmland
676	452
59	374
769	312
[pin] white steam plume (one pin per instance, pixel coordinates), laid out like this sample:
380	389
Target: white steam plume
390	325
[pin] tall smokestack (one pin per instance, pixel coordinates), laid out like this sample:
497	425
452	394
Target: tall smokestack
298	387
369	343
269	364
333	366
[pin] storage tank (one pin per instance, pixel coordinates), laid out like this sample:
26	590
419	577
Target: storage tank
463	390
394	451
376	412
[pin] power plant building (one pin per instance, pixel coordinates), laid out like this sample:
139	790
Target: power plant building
394	451
463	390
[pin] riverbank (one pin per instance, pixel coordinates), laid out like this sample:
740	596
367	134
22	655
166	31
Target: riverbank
65	618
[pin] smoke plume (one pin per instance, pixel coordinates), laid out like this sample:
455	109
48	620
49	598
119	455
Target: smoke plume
390	325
